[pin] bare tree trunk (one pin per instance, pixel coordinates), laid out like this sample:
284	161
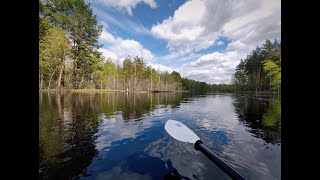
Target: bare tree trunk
114	81
75	66
109	80
135	77
51	78
159	83
151	81
41	81
61	71
107	86
63	80
82	81
101	82
117	79
166	85
74	75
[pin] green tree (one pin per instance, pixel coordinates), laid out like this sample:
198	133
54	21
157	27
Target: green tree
239	79
53	48
252	66
77	19
44	27
109	70
128	70
273	72
140	66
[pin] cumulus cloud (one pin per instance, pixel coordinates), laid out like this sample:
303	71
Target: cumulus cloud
246	24
209	74
184	30
195	26
234	19
217	59
108	54
126	5
105	36
214	68
161	68
120	48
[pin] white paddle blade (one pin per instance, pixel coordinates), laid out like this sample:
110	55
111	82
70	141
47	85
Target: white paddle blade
180	131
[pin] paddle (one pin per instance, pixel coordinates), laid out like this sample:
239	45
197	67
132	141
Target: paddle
182	133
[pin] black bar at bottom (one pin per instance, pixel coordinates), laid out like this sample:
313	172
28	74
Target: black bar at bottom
214	158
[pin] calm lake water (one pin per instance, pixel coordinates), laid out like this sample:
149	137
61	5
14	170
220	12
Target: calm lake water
122	136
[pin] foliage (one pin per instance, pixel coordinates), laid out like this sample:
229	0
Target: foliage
69	57
273	71
53	47
251	73
273	116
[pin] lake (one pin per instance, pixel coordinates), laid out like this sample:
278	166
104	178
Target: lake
122	136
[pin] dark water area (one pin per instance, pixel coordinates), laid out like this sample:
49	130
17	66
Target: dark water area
122	136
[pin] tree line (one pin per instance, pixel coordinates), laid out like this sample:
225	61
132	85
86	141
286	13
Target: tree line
69	59
260	70
69	56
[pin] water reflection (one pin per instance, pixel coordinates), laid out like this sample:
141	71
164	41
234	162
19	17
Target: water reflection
134	106
68	126
262	115
66	147
121	135
142	166
272	117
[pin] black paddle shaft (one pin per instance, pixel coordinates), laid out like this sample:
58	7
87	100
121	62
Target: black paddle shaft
214	158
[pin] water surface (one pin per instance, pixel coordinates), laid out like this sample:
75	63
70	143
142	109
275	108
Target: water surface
122	136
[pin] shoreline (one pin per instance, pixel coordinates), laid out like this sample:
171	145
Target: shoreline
103	91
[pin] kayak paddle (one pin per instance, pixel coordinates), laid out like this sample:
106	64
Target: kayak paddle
182	133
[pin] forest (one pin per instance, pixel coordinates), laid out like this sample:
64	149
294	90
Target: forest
260	70
69	59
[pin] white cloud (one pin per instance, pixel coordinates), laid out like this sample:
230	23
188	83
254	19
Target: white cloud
184	30
161	68
120	48
195	26
107	37
217	59
115	128
108	54
198	24
121	22
178	55
126	5
131	48
213	75
190	32
213	68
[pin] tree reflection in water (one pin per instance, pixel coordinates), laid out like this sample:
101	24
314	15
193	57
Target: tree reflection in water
262	114
68	124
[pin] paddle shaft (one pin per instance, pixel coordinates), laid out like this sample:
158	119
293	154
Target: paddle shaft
214	158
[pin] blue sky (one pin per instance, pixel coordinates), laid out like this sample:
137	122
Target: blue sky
203	40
